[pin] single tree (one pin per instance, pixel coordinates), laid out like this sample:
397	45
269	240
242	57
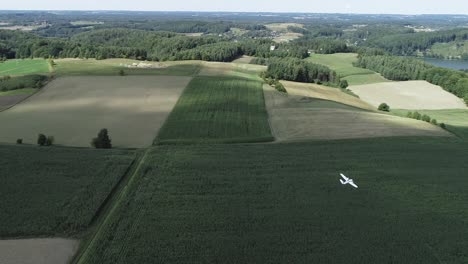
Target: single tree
102	141
442	125
426	118
19	141
434	121
49	141
121	73
384	107
41	140
344	84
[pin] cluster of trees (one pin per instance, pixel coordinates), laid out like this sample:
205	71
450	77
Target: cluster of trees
322	45
43	140
275	84
102	141
293	69
221	51
402	69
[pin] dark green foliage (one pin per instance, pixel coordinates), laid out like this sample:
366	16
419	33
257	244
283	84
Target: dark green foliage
19	141
121	73
344	84
442	125
222	51
322	45
102	141
416	116
283	203
426	118
280	87
8	83
41	140
55	191
218	109
292	69
259	61
409	44
384	107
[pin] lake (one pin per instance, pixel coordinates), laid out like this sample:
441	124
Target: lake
452	64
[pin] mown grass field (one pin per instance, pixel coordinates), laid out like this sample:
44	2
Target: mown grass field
283	203
455	119
342	63
24	67
55	191
218	109
67	67
314	112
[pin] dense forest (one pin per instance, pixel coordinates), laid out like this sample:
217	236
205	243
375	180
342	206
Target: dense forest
409	44
400	69
156	46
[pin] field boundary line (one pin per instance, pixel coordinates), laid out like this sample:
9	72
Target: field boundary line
83	252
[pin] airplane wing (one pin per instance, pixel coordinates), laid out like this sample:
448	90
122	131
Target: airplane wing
344	177
353	184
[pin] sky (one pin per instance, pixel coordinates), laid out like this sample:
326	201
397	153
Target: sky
303	6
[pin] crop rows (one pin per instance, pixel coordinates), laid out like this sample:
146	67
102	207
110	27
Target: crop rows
218	109
47	191
235	204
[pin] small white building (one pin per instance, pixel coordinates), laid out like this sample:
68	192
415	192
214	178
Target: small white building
272	48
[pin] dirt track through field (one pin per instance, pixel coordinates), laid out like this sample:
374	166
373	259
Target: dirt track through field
37	251
74	109
408	95
295	117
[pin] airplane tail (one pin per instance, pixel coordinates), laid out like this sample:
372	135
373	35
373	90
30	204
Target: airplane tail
342	182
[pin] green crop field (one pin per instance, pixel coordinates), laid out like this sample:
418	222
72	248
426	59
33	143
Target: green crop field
218	109
283	203
51	191
113	66
455	119
342	63
19	92
24	67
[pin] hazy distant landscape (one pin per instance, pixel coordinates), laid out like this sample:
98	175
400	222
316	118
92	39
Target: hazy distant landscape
219	137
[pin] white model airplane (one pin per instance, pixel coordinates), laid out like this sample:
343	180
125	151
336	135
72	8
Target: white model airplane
347	181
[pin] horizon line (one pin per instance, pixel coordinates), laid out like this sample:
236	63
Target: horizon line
251	12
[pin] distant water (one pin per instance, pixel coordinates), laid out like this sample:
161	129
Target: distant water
452	64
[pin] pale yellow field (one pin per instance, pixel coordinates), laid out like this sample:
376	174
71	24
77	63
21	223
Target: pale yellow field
37	251
324	92
301	115
408	95
234	69
282	26
74	109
